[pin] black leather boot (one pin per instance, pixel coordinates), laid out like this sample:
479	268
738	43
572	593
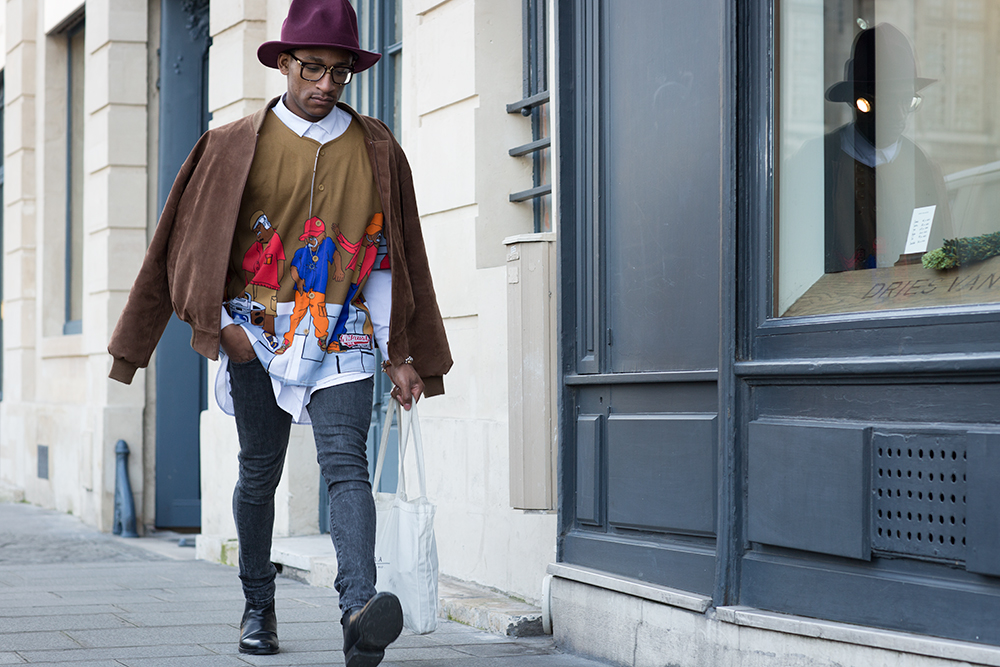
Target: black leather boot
369	629
259	630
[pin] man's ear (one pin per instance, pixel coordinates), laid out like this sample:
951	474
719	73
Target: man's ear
284	62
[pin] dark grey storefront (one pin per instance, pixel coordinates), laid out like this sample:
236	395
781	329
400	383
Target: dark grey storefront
708	444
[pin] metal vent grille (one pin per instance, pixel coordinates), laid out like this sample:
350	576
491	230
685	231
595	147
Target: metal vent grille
918	490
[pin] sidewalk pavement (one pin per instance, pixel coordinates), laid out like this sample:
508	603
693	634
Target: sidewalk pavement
70	595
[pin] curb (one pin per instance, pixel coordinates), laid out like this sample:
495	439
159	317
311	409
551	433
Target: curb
309	559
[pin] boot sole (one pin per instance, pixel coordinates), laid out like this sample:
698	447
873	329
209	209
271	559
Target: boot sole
379	627
381	623
258	651
358	658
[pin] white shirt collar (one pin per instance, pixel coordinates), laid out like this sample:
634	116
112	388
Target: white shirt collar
858	147
326	129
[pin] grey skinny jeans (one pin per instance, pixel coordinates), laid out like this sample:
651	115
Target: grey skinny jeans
340	417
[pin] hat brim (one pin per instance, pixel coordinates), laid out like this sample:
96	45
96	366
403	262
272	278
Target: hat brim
843	91
268	53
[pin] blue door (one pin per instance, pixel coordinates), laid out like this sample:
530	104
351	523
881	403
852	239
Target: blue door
181	373
640	266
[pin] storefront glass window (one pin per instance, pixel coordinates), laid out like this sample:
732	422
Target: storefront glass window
888	185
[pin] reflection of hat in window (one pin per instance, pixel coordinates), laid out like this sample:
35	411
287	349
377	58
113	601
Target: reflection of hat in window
881	55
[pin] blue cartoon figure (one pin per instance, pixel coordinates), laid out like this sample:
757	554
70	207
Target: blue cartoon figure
310	271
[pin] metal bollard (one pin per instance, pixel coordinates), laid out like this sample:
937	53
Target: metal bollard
124	523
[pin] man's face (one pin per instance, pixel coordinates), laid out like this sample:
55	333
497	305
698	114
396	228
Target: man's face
313	100
314	241
882	116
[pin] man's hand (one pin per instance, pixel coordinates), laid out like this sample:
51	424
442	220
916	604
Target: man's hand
300	282
408	384
236	345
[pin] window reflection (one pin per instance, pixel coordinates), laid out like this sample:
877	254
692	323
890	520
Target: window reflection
875	176
888	147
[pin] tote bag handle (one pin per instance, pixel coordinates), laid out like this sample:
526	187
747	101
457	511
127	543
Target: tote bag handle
408	421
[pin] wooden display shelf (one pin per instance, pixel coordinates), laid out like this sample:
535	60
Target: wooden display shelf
910	286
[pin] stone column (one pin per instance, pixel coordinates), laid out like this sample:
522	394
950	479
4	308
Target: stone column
115	210
237	82
19	244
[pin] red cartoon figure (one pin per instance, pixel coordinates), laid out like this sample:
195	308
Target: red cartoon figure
264	261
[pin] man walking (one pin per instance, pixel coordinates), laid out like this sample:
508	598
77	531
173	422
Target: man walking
302	157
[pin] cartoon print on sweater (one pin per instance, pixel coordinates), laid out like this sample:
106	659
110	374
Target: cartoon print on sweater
310	272
362	262
263	268
264	261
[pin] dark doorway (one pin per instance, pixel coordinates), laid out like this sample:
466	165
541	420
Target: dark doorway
181	373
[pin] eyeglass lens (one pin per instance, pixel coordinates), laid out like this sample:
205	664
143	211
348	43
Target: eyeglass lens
315	72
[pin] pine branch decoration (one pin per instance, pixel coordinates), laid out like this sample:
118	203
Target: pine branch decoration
959	252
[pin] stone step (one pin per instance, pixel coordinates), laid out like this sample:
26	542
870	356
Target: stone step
310	559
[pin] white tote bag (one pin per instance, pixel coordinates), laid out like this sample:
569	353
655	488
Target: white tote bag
405	550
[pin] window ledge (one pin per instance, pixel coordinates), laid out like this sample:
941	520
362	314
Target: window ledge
908	365
890	640
530	238
661	594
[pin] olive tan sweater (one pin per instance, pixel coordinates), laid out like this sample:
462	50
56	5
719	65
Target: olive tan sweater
187	262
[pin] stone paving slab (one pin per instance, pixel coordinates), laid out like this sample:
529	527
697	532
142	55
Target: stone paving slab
284	606
561	660
63	623
78	655
126	637
35	611
200	661
34	641
74	597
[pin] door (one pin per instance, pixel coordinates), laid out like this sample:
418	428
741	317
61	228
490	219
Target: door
181	373
639	228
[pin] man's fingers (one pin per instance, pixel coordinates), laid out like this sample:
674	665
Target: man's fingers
408	385
402	396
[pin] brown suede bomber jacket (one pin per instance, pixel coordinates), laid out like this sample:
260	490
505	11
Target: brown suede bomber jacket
184	269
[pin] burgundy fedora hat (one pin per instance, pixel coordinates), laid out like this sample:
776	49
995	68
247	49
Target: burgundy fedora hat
318	23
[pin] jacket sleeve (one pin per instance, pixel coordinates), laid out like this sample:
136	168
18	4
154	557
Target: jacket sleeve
148	307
